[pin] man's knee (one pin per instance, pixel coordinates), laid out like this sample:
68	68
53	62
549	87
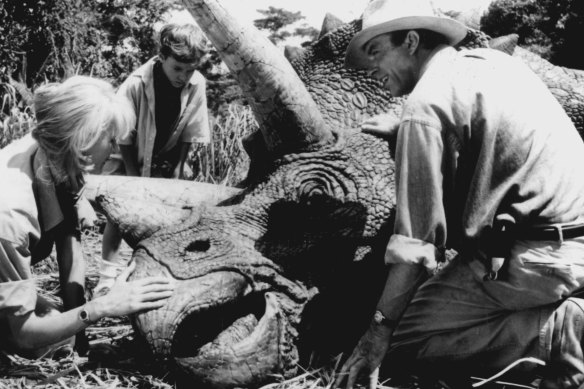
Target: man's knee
562	346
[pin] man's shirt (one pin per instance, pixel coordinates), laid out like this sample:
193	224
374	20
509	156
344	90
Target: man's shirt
480	135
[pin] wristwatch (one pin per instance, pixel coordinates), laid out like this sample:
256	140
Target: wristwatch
84	316
380	319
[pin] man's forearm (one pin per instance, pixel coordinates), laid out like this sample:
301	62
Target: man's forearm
130	160
402	282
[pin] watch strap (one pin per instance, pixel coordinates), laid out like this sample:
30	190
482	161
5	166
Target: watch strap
84	316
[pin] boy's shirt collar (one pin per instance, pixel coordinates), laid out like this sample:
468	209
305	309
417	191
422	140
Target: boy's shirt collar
146	72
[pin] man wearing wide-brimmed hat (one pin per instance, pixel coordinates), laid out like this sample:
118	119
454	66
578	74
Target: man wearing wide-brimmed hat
487	163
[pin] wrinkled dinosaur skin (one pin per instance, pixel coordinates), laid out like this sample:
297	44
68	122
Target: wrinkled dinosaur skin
283	253
293	264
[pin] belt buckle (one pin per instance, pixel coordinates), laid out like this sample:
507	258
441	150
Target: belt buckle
558	229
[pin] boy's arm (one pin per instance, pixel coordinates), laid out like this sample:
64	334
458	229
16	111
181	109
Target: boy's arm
127	143
130	160
184	148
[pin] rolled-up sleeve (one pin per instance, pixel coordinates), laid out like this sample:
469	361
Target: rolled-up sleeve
17	287
129	90
197	127
420	224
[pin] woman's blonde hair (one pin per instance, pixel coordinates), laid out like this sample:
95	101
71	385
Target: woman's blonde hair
71	118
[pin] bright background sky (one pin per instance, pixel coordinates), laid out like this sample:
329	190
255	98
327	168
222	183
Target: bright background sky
315	10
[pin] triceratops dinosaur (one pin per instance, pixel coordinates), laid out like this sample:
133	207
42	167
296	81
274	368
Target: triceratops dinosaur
293	263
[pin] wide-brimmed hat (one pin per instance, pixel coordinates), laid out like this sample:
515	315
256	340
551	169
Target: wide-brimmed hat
382	16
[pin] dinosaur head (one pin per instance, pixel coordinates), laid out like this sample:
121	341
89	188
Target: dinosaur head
294	260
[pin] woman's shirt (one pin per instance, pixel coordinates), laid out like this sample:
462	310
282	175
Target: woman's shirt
31	213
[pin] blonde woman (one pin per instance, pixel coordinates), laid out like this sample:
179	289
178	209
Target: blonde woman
42	179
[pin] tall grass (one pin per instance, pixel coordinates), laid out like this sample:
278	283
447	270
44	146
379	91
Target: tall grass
223	160
16	119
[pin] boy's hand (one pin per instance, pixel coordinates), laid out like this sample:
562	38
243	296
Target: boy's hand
178	173
185	174
85	214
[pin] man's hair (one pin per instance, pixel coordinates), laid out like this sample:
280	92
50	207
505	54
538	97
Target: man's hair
184	42
72	116
428	39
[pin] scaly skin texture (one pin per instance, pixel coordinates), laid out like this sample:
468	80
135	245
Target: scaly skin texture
321	69
345	96
293	263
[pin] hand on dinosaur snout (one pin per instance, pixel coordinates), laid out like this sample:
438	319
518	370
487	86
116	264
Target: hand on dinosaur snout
366	358
127	297
384	125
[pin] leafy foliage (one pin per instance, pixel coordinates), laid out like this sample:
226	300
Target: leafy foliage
48	40
307	31
275	21
551	28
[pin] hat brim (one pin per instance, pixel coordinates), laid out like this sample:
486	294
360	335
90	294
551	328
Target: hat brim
355	56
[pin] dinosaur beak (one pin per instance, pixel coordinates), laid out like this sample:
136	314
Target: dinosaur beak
222	328
286	113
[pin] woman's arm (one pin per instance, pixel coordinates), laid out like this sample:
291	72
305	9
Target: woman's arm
32	331
71	270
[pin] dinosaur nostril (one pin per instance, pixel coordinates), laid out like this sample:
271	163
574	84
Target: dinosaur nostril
199	245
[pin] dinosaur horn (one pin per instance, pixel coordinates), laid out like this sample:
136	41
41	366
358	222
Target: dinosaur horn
329	24
506	43
140	206
173	193
286	113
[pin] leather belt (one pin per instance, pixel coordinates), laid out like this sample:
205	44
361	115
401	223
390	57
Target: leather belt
552	232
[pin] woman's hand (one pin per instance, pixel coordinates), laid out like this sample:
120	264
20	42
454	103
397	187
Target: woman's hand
366	357
384	125
125	298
